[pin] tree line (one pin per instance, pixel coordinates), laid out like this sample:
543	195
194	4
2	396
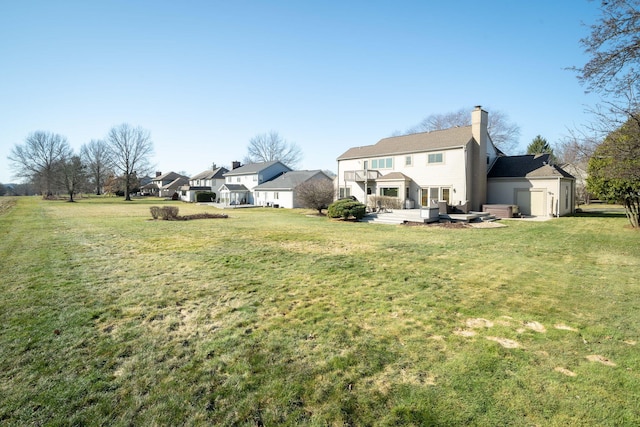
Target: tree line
48	163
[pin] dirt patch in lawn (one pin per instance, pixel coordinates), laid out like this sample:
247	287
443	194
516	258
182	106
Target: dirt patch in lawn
479	323
536	326
600	359
565	371
506	343
564	327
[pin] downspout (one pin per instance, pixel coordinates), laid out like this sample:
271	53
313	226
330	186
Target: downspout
559	196
466	177
338	195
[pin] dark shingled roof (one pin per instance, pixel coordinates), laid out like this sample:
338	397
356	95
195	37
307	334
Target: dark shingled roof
252	168
235	187
211	174
527	166
413	143
289	180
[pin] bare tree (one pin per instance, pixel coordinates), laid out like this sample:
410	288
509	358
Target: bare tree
316	193
613	48
96	157
130	149
271	146
38	158
504	133
613	69
72	174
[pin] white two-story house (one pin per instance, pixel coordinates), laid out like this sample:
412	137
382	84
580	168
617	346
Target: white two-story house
241	181
424	168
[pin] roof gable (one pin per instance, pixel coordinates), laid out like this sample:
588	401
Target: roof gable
169	176
290	180
527	166
254	168
413	143
176	183
211	174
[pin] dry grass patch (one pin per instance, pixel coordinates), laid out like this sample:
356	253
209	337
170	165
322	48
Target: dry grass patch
565	371
600	359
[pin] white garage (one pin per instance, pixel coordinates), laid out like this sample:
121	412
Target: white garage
531	182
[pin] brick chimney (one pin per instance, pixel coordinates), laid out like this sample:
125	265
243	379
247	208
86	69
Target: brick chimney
235	165
479	123
158	173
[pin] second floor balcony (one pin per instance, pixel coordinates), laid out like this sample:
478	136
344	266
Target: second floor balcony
361	175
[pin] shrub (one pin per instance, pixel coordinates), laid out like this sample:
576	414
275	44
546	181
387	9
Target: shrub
169	212
205	196
346	208
386	202
155	212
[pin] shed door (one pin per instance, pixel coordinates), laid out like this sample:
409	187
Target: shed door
530	202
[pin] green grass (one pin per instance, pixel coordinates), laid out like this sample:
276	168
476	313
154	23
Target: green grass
273	317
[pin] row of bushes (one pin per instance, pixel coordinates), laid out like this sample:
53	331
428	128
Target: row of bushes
170	213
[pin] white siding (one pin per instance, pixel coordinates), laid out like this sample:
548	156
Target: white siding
555	194
450	173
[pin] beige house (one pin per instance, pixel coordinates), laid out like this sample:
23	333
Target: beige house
458	166
424	168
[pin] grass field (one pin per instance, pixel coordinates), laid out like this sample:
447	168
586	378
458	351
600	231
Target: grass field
272	317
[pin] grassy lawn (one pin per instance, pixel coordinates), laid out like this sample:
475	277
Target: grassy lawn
273	317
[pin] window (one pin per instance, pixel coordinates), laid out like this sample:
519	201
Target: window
275	195
408	160
435	158
389	191
566	197
345	192
386	163
229	179
238	179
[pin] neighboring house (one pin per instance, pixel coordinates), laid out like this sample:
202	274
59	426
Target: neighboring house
207	181
531	182
450	165
281	191
423	168
241	181
164	185
579	172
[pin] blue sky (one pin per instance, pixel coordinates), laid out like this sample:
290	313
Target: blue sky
204	77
